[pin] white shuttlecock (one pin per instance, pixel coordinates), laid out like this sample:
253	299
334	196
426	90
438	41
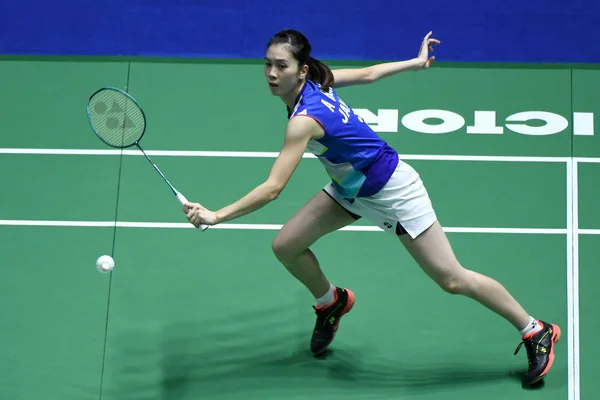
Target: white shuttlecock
105	263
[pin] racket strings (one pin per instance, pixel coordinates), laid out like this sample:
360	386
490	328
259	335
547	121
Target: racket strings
116	118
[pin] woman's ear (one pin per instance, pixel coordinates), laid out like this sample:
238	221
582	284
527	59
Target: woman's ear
304	72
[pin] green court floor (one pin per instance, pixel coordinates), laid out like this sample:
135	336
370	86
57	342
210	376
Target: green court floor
212	315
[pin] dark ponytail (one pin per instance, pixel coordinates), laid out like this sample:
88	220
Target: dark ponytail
319	73
300	48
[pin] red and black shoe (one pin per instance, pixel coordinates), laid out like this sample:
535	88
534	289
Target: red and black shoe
540	351
328	320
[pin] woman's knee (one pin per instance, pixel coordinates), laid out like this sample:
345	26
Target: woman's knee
459	283
454	286
284	249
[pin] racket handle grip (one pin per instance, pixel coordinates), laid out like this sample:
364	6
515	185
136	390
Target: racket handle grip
183	200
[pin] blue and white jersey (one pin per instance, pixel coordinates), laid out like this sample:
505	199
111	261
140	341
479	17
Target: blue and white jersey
358	161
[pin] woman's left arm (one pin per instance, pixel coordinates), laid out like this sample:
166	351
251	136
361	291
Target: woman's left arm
373	73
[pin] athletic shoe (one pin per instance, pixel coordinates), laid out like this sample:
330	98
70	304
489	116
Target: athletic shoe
540	351
328	319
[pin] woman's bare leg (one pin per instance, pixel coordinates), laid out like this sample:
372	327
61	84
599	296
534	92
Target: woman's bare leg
432	251
318	217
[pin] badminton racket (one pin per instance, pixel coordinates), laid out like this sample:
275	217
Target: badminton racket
119	121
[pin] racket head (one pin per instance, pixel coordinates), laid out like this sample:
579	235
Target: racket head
116	117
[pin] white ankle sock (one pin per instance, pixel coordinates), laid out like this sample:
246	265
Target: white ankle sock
532	326
328	297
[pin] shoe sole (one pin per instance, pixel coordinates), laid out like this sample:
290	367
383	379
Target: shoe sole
346	310
555	338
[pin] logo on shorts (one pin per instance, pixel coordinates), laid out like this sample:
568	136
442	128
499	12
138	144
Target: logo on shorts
388	225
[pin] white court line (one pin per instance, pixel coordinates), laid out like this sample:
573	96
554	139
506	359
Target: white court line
586	159
575	244
570	309
227	226
136	152
589	232
259	154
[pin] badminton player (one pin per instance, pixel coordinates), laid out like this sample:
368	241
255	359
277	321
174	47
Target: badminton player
367	179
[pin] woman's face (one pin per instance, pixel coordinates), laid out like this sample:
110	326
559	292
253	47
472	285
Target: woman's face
282	71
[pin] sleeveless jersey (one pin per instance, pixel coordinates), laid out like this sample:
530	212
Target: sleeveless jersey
357	160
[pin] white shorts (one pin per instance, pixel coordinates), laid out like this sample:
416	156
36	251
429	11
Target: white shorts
401	206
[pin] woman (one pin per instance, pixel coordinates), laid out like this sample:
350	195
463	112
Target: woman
367	179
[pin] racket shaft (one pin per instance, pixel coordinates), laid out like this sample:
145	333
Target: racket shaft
158	170
179	196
